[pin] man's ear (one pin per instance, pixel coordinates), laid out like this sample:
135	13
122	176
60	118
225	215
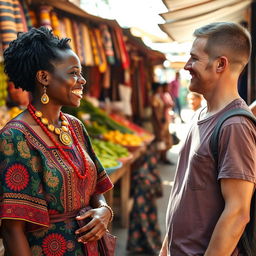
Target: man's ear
43	77
221	64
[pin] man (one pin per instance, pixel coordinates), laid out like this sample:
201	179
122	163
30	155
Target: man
194	100
209	208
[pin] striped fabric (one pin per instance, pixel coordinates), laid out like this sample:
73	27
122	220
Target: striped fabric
107	43
10	21
26	13
55	23
94	47
102	56
44	16
23	18
115	46
32	15
69	33
62	28
81	43
88	52
77	39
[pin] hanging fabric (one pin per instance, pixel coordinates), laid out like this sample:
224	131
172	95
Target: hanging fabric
69	33
94	47
107	43
10	21
99	43
87	47
32	15
62	28
27	14
55	24
44	16
123	50
116	47
77	39
22	17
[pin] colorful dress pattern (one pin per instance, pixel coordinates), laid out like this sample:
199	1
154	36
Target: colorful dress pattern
37	182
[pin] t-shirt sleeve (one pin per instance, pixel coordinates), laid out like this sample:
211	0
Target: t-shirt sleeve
237	150
103	181
21	193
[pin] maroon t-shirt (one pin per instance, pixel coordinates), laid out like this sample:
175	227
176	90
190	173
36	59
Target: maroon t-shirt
196	202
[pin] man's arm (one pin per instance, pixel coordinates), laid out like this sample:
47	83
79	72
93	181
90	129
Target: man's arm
236	214
164	250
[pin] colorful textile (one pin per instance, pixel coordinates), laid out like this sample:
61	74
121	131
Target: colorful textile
77	39
116	47
69	33
81	43
89	61
32	15
123	51
99	43
10	21
27	14
24	27
55	23
44	16
37	183
107	43
144	233
94	47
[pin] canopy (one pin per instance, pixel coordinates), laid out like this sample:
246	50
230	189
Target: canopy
184	16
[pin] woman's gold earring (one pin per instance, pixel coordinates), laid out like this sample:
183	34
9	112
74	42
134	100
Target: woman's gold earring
44	98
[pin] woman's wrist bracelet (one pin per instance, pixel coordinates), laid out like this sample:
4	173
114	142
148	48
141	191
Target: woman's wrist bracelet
109	208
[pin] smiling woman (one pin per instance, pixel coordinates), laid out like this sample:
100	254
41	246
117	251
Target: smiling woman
49	171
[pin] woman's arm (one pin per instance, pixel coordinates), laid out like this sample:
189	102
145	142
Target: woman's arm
14	237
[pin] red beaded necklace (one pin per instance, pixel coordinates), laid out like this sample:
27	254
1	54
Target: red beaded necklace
32	110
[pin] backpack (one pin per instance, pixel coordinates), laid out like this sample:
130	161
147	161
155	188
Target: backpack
247	242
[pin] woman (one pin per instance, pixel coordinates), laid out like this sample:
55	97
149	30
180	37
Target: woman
48	168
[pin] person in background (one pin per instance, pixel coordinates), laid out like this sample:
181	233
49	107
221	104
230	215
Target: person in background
194	100
174	88
209	207
49	170
253	107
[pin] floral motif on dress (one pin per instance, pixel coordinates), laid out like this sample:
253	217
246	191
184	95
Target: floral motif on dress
23	149
7	148
54	245
17	177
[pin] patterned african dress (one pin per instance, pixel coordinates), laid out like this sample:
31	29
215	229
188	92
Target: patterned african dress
38	183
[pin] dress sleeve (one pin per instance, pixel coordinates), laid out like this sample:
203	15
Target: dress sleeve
21	192
237	150
103	181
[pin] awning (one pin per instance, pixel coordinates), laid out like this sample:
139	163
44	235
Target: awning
184	16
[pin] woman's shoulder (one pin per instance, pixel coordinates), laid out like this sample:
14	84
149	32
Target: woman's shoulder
13	128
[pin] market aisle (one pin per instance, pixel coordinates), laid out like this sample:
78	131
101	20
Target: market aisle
167	173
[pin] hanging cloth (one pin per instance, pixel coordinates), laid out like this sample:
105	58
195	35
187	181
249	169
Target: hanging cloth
55	24
77	39
116	47
69	33
123	50
9	15
81	44
87	45
62	28
27	14
21	16
94	48
33	18
44	16
107	43
99	42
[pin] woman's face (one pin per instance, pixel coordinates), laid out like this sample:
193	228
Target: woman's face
65	86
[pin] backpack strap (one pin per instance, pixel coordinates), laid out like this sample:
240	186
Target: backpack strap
214	140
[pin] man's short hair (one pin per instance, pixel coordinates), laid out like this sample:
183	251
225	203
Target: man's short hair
226	39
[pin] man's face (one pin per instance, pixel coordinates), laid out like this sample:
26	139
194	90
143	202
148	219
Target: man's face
200	67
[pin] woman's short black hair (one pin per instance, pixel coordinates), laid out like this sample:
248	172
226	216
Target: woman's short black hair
32	51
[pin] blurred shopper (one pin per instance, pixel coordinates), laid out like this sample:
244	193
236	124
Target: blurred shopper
194	100
209	208
174	88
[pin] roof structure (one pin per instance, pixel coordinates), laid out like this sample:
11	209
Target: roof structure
184	16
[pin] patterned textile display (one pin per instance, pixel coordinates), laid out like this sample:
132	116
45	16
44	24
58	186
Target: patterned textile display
68	28
102	55
55	23
32	15
107	43
27	14
62	28
115	46
123	51
94	47
144	233
37	183
23	18
81	43
77	39
10	21
89	61
44	16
